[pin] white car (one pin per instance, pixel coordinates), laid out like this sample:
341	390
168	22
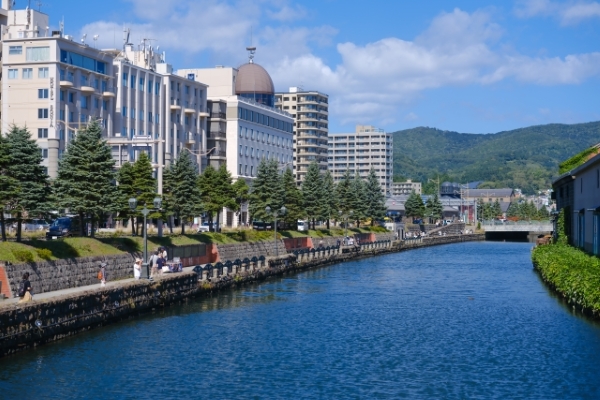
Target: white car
205	227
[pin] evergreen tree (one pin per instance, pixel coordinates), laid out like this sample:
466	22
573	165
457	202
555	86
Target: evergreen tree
8	185
359	200
330	199
224	190
183	191
543	212
513	210
85	182
312	193
293	200
32	191
207	183
437	209
241	192
344	193
125	191
429	208
414	207
496	209
144	186
375	204
266	191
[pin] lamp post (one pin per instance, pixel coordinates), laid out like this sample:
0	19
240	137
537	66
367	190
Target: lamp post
275	214
145	211
345	216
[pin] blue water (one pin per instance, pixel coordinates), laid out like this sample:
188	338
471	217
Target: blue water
462	321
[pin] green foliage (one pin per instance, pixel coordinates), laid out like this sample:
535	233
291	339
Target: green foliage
524	158
44	254
312	192
293	200
414	207
574	274
25	256
183	197
266	191
561	233
330	199
9	186
344	193
576	160
125	191
375	200
241	192
358	200
434	207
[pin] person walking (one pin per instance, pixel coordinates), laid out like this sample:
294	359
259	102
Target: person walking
160	263
25	289
153	263
102	274
137	268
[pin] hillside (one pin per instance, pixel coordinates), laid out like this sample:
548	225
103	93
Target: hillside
526	158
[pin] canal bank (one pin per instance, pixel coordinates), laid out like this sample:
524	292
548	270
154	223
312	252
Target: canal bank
66	313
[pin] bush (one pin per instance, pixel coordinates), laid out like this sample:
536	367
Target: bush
44	254
25	256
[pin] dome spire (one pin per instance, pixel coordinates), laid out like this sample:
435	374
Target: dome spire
251	51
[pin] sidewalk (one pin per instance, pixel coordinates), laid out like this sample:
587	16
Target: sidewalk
81	289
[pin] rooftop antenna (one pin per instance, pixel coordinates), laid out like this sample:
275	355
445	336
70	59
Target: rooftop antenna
61	26
95	39
251	49
83	38
39	5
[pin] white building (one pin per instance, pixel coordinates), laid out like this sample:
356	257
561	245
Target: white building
407	187
358	152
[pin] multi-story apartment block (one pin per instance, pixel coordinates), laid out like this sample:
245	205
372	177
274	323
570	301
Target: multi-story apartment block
407	187
360	151
310	110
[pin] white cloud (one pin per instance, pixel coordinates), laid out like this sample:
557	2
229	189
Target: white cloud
568	13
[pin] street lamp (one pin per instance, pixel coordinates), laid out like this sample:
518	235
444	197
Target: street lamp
345	216
145	212
275	214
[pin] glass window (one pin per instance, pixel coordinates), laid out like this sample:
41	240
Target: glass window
133	78
13	73
252	170
42	93
125	78
157	88
62	95
71	97
71	116
61	115
252	152
241	133
44	153
84	101
15	50
42	133
38	53
82	118
103	85
142	84
150	84
96	102
241	150
27	73
88	63
105	104
96	83
133	113
246	150
124	111
43	72
42	113
157	118
141	115
83	80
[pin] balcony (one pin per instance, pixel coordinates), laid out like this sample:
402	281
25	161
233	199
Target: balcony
66	84
188	110
203	114
175	107
218	154
87	89
218	115
217	135
108	93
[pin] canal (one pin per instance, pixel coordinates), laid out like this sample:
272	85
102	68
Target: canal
469	320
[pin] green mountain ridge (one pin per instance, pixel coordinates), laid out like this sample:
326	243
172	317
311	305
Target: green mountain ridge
525	158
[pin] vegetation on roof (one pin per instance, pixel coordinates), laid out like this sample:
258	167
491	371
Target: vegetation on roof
577	160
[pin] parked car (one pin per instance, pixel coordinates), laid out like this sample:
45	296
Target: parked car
63	227
35	225
262	226
302	225
205	227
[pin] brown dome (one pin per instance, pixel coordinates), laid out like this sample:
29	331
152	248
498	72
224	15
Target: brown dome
252	78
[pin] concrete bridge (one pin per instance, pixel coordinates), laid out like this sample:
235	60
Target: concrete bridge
526	230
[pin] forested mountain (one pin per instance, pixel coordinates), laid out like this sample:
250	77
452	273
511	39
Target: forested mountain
525	158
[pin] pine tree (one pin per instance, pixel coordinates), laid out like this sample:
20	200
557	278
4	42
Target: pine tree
144	185
344	193
266	190
85	182
224	189
125	191
330	200
183	191
513	210
375	205
358	199
207	183
293	199
414	207
8	186
312	193
32	192
241	192
496	209
437	207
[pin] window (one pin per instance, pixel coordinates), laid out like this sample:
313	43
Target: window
103	85
82	118
241	151
251	170
38	53
62	95
142	84
84	102
157	118
124	111
132	132
42	113
42	133
71	97
141	115
132	80
125	79
13	73
132	113
42	93
157	88
240	170
124	131
15	50
246	150
79	60
44	153
71	116
27	73
96	102
252	152
105	104
83	80
150	117
241	134
246	170
61	115
96	83
150	84
43	72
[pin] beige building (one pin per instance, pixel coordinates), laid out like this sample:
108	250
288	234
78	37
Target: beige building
407	187
310	110
358	152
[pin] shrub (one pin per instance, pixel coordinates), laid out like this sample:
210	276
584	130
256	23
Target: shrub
25	256
44	254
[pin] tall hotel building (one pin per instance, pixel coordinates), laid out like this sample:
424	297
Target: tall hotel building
310	110
360	151
54	85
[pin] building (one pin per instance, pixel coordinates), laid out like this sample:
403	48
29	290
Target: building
358	152
243	128
55	85
577	192
407	187
310	110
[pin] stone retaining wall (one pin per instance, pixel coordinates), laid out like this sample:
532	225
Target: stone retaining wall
232	252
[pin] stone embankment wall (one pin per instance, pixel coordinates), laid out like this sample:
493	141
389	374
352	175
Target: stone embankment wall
32	324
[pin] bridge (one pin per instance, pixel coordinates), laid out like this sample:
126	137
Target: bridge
520	230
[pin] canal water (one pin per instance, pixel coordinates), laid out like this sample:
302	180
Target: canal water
470	320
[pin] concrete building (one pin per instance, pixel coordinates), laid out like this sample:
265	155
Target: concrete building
358	152
577	192
407	187
310	110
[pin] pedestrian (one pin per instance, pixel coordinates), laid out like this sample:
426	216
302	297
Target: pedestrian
164	254
153	264
160	263
25	289
102	274
321	243
137	268
338	243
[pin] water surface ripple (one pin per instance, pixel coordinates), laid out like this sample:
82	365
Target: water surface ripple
462	321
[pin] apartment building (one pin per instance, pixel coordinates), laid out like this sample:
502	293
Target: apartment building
407	187
310	110
368	147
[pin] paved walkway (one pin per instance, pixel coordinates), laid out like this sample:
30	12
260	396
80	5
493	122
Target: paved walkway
81	289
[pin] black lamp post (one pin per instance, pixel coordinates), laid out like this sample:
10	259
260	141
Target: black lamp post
133	205
275	214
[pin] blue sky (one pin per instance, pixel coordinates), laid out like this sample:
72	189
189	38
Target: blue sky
467	66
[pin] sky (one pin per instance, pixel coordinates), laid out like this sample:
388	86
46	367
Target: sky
471	66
